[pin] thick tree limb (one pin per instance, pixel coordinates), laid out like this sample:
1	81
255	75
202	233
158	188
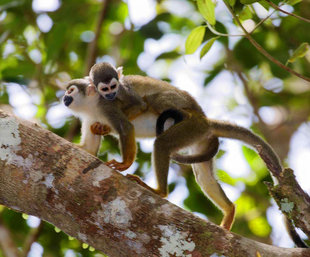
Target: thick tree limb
42	174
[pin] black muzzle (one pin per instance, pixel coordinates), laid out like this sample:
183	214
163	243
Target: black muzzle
110	96
67	100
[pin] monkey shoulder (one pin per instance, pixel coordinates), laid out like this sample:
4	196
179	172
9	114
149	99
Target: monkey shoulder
144	85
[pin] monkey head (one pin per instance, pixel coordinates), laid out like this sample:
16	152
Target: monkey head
106	79
80	95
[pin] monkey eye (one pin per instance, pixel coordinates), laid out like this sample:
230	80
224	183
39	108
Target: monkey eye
70	90
104	89
113	86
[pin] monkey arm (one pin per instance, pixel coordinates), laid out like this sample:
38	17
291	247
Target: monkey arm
127	141
89	141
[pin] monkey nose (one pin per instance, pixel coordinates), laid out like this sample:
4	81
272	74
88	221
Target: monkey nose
110	96
67	100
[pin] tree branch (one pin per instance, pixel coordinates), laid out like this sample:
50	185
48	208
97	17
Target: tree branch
261	49
42	175
288	13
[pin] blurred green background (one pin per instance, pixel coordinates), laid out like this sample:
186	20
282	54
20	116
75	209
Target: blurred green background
44	43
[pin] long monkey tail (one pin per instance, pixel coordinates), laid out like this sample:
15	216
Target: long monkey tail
228	130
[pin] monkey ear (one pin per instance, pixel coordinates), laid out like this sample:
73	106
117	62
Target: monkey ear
120	72
91	90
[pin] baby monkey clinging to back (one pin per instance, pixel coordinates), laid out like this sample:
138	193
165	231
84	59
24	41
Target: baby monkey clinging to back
194	131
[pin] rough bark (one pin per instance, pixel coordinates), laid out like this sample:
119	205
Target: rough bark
41	174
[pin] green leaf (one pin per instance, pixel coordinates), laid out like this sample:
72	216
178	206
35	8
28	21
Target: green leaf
194	40
207	9
169	55
299	52
264	4
248	1
207	47
232	2
224	177
293	2
245	14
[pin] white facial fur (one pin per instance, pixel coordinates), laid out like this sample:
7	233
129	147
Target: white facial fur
108	91
81	103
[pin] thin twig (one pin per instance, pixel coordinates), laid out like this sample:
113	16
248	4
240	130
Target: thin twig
7	244
92	46
222	34
33	236
261	49
262	21
288	13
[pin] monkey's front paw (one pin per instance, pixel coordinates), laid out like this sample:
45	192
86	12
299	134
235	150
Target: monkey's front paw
100	129
120	166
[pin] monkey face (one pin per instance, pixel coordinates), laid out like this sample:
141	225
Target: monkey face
80	95
109	90
71	92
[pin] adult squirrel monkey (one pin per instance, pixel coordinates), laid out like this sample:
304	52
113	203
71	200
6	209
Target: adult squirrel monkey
82	98
194	131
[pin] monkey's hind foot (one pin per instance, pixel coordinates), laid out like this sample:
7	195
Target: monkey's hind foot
141	183
98	128
229	217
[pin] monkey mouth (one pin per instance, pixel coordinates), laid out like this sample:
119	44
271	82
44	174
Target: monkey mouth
110	96
67	100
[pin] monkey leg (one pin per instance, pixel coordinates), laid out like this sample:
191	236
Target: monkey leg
89	141
206	154
205	178
141	183
98	128
128	150
176	137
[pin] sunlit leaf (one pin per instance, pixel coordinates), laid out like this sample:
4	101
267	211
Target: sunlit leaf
259	226
245	14
245	204
207	47
299	52
194	40
224	177
207	9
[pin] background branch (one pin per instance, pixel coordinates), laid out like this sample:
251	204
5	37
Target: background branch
6	243
288	13
261	49
93	46
33	237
